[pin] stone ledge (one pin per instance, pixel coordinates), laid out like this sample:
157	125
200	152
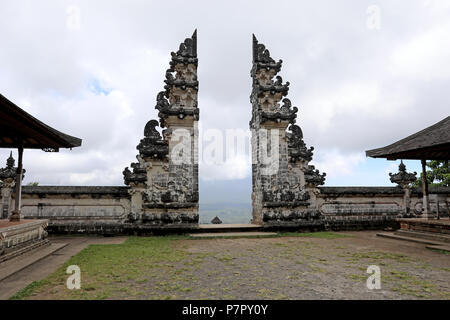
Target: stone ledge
22	250
116	190
17	238
378	190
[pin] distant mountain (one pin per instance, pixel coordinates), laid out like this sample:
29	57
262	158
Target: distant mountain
230	200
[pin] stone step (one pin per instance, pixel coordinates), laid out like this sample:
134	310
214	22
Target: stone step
233	235
434	236
443	248
11	266
210	228
411	239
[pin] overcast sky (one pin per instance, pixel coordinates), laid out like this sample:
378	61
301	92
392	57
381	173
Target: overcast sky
363	74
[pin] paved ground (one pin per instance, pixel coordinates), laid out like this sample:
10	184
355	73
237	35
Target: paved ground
50	264
252	268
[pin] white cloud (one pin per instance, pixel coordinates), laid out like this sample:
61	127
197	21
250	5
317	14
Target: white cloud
424	56
336	164
234	168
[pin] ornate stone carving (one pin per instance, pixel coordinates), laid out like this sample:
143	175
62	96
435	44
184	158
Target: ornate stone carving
182	88
137	176
313	176
262	58
152	145
187	52
289	194
403	178
297	147
168	192
9	173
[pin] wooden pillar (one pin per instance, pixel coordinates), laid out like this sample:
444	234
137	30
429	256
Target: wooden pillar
426	204
15	216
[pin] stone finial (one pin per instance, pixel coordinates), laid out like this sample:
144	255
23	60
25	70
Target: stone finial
137	176
313	177
260	53
150	130
187	52
10	161
402	177
262	58
296	146
10	172
216	220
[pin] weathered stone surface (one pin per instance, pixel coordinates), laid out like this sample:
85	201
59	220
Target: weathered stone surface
7	182
20	237
105	210
164	181
404	180
284	184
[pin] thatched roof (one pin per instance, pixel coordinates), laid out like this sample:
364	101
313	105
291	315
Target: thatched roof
432	143
18	127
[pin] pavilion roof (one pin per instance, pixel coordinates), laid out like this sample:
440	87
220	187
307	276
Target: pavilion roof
432	143
19	127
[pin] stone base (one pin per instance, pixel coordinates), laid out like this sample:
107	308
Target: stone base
314	220
15	216
425	225
21	236
117	228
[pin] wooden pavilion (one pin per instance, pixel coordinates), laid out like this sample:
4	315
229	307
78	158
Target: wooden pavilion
432	143
20	130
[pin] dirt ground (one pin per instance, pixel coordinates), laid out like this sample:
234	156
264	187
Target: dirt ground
286	268
314	268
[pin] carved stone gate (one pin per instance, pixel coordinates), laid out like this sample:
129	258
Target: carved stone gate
164	180
284	184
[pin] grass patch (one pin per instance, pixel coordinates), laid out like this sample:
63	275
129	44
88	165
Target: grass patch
249	236
439	251
106	266
408	284
29	290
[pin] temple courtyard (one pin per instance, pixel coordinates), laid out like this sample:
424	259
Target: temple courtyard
322	265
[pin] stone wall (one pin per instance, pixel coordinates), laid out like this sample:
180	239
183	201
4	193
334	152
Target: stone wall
105	210
343	208
78	209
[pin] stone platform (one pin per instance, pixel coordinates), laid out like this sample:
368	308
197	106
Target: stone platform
19	237
425	225
249	234
435	234
210	228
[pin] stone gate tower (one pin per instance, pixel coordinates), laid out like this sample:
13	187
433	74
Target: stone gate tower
284	185
164	181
